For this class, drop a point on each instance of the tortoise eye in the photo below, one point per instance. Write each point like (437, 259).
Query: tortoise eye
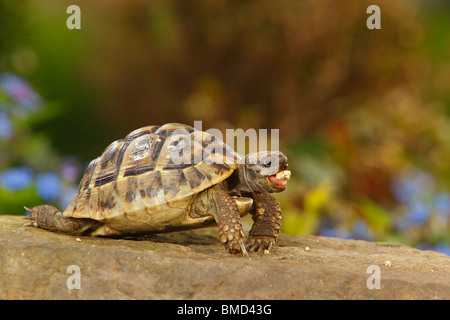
(266, 163)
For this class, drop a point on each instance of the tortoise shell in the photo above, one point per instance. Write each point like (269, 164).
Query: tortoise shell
(135, 186)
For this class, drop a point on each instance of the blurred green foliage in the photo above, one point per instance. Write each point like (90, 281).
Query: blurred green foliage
(363, 114)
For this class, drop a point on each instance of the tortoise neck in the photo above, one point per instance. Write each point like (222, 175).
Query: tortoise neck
(246, 181)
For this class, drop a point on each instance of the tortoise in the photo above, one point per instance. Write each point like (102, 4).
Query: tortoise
(174, 177)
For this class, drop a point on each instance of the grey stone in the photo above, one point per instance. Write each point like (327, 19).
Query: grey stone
(194, 265)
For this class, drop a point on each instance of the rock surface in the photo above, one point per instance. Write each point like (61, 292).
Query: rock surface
(194, 265)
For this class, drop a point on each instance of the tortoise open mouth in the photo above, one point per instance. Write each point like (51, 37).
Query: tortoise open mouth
(280, 179)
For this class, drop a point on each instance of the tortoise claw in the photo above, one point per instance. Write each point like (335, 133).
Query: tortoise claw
(236, 247)
(28, 209)
(261, 243)
(269, 247)
(31, 224)
(252, 244)
(31, 216)
(243, 250)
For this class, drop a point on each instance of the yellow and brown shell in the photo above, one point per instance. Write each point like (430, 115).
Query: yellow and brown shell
(135, 186)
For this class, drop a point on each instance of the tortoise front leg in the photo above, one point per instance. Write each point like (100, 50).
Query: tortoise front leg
(230, 226)
(266, 213)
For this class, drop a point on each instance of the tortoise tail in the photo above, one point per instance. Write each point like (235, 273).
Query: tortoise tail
(50, 218)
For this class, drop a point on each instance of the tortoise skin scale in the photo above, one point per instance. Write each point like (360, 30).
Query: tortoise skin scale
(135, 187)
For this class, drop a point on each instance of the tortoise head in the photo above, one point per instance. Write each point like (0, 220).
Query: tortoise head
(266, 171)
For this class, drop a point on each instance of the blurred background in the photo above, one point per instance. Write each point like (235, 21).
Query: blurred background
(363, 114)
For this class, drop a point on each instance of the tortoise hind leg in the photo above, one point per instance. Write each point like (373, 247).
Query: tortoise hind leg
(50, 218)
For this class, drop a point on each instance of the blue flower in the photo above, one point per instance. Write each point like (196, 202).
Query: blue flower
(443, 247)
(5, 126)
(48, 186)
(441, 203)
(70, 169)
(334, 233)
(418, 212)
(360, 230)
(410, 186)
(15, 179)
(19, 91)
